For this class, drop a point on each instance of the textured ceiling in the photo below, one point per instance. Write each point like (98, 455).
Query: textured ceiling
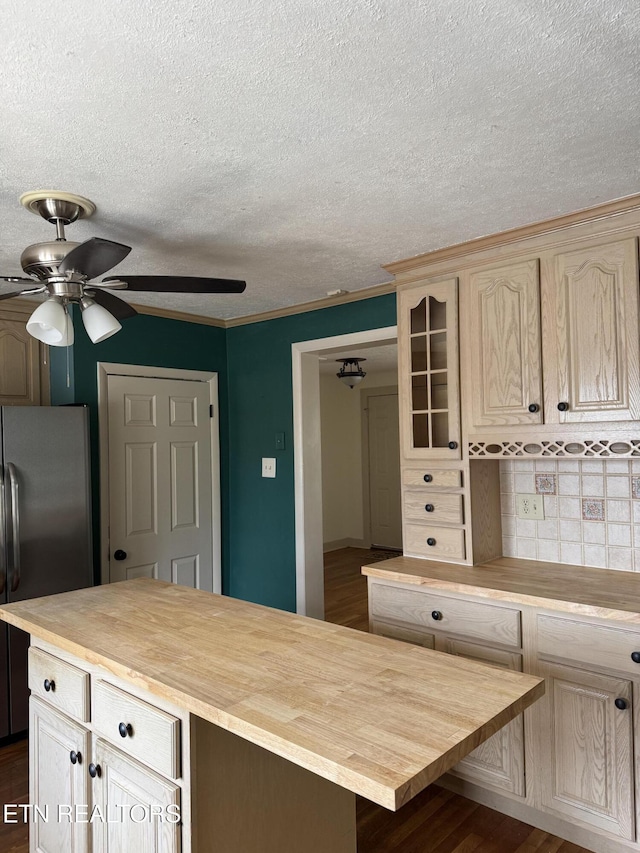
(300, 144)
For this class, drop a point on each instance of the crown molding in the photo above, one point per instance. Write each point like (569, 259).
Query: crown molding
(604, 211)
(315, 305)
(178, 315)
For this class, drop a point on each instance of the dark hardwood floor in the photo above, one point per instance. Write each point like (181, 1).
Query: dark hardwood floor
(436, 821)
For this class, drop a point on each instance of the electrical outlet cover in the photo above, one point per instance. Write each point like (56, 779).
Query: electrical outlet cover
(530, 506)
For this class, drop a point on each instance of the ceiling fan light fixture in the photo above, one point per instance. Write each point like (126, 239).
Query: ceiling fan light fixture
(51, 324)
(351, 374)
(99, 323)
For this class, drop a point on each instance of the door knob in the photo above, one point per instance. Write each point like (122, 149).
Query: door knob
(621, 704)
(75, 757)
(120, 554)
(533, 408)
(95, 770)
(563, 407)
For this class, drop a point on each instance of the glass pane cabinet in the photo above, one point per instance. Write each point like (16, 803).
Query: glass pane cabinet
(428, 365)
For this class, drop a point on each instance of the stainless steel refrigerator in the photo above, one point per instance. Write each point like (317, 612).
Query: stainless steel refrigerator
(45, 527)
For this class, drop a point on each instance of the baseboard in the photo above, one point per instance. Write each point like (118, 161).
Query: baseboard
(344, 543)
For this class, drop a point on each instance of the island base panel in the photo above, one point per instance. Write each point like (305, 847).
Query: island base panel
(248, 800)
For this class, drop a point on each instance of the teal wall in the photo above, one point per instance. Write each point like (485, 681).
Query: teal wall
(153, 341)
(256, 402)
(261, 511)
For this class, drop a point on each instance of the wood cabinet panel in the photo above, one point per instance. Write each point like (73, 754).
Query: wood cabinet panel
(499, 761)
(592, 355)
(127, 785)
(471, 619)
(588, 776)
(68, 685)
(431, 541)
(506, 344)
(432, 507)
(154, 735)
(54, 781)
(20, 365)
(402, 633)
(443, 478)
(428, 373)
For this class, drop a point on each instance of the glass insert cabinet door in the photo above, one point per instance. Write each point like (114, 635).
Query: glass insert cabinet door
(428, 366)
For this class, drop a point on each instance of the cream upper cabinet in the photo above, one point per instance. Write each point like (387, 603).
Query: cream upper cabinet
(505, 341)
(556, 348)
(591, 350)
(24, 374)
(428, 370)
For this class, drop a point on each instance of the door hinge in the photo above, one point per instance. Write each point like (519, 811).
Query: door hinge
(210, 410)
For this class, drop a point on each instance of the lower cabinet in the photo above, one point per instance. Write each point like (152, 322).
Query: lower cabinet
(141, 810)
(499, 761)
(58, 781)
(105, 765)
(589, 771)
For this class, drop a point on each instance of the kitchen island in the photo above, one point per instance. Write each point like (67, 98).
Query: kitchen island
(257, 726)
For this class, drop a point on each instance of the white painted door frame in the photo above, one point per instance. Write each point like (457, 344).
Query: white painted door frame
(106, 369)
(308, 461)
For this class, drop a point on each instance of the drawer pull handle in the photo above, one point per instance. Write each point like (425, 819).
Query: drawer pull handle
(621, 704)
(428, 478)
(563, 407)
(125, 729)
(435, 614)
(453, 445)
(95, 770)
(429, 507)
(49, 686)
(431, 541)
(533, 408)
(75, 757)
(635, 657)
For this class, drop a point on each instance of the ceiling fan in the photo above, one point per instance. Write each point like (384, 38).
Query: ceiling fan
(64, 271)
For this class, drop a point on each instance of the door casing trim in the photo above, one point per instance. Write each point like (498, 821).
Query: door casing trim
(106, 369)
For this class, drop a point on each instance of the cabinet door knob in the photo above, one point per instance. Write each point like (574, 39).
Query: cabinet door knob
(125, 729)
(621, 704)
(49, 686)
(431, 541)
(120, 554)
(95, 770)
(635, 657)
(533, 408)
(563, 407)
(75, 757)
(453, 445)
(428, 478)
(435, 614)
(428, 507)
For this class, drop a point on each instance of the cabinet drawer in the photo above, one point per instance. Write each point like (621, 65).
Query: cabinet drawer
(600, 646)
(447, 541)
(439, 477)
(68, 685)
(432, 507)
(150, 735)
(470, 619)
(399, 632)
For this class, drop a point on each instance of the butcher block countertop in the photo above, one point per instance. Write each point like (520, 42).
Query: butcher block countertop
(376, 716)
(602, 593)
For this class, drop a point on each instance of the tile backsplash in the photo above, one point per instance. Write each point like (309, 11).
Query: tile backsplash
(591, 511)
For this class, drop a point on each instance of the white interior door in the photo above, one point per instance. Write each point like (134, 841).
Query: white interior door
(384, 471)
(160, 481)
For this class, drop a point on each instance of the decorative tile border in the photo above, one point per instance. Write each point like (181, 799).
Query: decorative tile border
(546, 484)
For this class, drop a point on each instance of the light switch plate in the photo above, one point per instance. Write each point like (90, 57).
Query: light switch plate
(268, 467)
(530, 506)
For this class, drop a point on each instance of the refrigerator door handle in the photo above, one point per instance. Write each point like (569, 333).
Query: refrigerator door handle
(15, 527)
(3, 551)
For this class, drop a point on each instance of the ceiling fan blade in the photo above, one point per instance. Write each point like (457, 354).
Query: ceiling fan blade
(179, 284)
(15, 278)
(120, 309)
(22, 293)
(93, 257)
